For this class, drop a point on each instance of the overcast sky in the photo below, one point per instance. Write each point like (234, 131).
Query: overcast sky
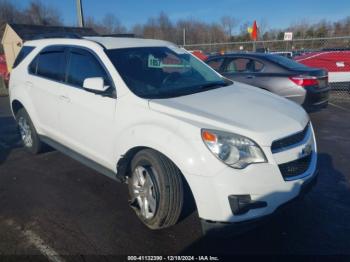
(278, 13)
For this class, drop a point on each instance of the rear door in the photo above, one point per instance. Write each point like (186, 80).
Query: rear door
(46, 83)
(88, 118)
(236, 68)
(247, 70)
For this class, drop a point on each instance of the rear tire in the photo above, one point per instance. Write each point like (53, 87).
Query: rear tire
(29, 136)
(156, 189)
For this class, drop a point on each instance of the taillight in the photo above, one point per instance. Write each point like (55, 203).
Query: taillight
(304, 80)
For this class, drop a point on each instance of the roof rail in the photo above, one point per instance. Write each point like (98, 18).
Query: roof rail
(118, 35)
(57, 35)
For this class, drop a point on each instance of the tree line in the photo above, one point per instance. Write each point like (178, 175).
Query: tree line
(226, 29)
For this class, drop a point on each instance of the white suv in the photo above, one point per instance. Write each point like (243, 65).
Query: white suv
(148, 113)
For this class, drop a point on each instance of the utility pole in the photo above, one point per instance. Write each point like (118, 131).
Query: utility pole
(80, 14)
(184, 36)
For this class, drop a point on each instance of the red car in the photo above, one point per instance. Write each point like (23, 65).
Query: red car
(337, 63)
(3, 67)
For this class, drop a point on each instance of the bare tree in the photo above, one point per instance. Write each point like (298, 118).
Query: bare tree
(8, 12)
(229, 23)
(38, 13)
(263, 26)
(162, 27)
(112, 24)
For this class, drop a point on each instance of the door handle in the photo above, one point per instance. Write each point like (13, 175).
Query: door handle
(28, 84)
(65, 99)
(250, 77)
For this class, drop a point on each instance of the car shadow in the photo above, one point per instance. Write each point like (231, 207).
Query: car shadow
(9, 137)
(309, 225)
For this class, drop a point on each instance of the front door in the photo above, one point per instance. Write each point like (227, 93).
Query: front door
(88, 118)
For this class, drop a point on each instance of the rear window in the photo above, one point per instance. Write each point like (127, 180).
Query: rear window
(286, 62)
(51, 65)
(25, 51)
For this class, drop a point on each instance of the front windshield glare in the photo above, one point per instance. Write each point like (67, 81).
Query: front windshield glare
(163, 72)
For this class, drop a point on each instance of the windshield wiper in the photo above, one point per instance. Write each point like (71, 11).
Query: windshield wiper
(212, 85)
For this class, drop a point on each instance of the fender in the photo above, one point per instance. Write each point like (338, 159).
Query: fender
(186, 153)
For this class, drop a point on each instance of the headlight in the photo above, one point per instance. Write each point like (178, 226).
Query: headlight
(234, 150)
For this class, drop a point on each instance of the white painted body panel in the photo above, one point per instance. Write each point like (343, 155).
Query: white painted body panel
(104, 129)
(336, 77)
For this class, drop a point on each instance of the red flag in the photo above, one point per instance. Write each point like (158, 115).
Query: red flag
(255, 32)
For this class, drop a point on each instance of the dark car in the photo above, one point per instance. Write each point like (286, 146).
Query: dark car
(280, 75)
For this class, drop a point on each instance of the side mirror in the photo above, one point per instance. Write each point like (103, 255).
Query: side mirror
(95, 84)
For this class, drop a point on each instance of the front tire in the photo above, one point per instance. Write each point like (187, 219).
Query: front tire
(156, 189)
(29, 136)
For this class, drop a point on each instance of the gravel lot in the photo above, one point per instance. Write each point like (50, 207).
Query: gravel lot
(50, 204)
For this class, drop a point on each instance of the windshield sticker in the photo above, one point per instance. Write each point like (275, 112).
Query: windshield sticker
(154, 62)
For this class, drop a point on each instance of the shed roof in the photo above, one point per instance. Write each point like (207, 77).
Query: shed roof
(30, 32)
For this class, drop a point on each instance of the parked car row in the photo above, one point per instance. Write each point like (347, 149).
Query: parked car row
(304, 85)
(149, 114)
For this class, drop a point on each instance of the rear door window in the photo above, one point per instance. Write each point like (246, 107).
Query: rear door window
(216, 63)
(236, 65)
(51, 65)
(82, 65)
(243, 65)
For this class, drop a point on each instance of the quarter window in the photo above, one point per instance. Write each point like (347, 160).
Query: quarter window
(25, 51)
(258, 67)
(84, 65)
(216, 63)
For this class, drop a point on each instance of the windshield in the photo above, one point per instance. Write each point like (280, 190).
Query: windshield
(163, 72)
(287, 62)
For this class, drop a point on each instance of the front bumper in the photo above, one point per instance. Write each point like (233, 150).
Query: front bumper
(264, 186)
(222, 228)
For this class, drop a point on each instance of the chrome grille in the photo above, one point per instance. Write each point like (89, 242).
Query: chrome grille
(281, 144)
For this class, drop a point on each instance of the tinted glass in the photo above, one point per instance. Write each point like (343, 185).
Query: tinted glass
(258, 66)
(286, 62)
(243, 65)
(162, 72)
(237, 65)
(33, 66)
(216, 63)
(52, 65)
(84, 65)
(25, 51)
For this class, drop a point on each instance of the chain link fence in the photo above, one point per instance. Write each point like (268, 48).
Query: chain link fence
(330, 53)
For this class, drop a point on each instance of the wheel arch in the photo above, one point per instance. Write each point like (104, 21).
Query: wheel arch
(16, 105)
(22, 102)
(124, 166)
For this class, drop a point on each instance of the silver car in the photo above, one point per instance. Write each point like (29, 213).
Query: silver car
(280, 75)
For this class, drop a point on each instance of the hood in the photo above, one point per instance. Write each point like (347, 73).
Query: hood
(239, 108)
